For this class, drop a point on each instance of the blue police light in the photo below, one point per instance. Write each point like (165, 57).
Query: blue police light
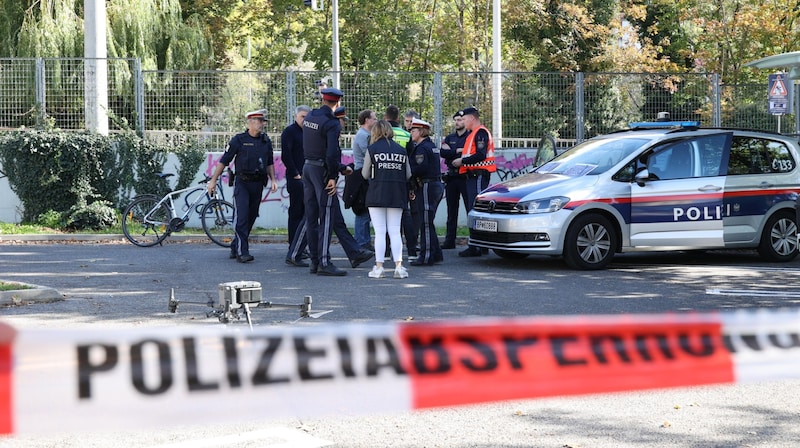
(664, 124)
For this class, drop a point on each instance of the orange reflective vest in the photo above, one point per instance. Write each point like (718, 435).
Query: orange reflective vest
(469, 149)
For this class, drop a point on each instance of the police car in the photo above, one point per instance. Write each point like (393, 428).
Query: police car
(653, 187)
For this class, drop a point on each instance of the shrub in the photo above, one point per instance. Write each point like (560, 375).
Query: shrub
(78, 178)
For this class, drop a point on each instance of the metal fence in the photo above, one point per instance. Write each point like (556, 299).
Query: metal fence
(210, 105)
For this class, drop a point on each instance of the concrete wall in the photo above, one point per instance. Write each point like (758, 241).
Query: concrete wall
(275, 205)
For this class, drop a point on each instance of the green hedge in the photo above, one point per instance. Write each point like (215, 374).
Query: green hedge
(85, 177)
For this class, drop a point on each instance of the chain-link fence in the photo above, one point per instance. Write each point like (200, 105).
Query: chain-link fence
(210, 105)
(35, 90)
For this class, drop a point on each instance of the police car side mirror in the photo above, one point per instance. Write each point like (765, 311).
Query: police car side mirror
(642, 177)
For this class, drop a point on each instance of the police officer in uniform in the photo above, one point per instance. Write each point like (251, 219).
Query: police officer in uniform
(426, 171)
(455, 184)
(323, 164)
(476, 163)
(253, 155)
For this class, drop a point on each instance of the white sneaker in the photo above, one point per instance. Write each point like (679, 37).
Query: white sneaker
(376, 272)
(400, 272)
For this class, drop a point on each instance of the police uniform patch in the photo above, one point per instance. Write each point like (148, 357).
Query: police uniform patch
(480, 144)
(420, 158)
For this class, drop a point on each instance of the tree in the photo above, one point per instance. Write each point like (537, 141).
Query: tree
(152, 30)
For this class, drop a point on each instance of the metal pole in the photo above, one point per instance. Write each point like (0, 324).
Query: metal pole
(95, 66)
(335, 24)
(497, 76)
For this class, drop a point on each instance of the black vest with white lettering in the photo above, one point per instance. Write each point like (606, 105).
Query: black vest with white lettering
(316, 126)
(388, 185)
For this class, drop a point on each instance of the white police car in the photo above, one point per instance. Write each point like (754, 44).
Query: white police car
(653, 187)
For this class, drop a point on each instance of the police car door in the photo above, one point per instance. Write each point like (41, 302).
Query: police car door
(676, 201)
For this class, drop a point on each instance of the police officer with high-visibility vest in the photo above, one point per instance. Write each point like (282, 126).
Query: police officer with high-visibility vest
(253, 155)
(476, 163)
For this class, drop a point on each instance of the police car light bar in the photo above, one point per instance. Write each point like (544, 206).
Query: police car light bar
(664, 124)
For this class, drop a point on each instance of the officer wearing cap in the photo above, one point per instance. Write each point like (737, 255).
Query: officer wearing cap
(322, 167)
(455, 184)
(476, 163)
(341, 114)
(426, 171)
(253, 155)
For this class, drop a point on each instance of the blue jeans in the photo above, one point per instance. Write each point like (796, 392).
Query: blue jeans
(361, 231)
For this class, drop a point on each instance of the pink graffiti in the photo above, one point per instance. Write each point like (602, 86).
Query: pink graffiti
(520, 162)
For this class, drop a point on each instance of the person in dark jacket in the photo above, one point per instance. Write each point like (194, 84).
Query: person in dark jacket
(426, 173)
(455, 184)
(387, 169)
(293, 160)
(253, 154)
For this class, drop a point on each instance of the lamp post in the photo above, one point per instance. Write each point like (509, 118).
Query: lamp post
(497, 75)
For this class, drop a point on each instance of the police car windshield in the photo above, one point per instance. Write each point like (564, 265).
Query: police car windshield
(592, 156)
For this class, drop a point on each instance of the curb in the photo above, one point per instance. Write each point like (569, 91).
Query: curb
(118, 238)
(34, 293)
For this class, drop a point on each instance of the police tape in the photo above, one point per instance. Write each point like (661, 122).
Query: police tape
(90, 379)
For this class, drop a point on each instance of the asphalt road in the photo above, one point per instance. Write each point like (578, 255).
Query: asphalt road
(119, 285)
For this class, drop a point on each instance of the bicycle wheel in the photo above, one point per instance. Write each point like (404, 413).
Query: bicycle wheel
(217, 217)
(145, 225)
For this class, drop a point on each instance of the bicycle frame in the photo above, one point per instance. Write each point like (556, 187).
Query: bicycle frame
(169, 200)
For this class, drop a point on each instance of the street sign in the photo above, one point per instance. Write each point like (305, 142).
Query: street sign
(780, 94)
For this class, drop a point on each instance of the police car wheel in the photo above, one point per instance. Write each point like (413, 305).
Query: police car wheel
(779, 239)
(590, 243)
(509, 255)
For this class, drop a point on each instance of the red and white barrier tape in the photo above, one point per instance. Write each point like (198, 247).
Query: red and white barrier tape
(126, 379)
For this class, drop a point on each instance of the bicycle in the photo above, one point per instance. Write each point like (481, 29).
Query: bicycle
(148, 220)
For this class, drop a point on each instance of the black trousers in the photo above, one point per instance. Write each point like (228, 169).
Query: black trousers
(454, 189)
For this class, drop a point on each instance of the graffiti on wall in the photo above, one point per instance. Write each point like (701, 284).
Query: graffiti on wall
(280, 197)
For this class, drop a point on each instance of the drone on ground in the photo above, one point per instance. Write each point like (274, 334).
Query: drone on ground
(243, 296)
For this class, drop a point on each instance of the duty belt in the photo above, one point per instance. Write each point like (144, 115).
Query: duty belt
(477, 173)
(315, 162)
(251, 177)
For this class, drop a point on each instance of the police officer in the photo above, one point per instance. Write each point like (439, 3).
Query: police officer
(426, 171)
(455, 184)
(476, 163)
(252, 152)
(323, 164)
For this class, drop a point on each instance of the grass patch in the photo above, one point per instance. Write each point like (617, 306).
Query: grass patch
(6, 286)
(24, 229)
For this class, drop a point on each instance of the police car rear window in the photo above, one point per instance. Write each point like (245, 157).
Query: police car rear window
(751, 155)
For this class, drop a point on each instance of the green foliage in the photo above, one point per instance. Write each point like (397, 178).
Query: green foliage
(79, 179)
(95, 216)
(51, 219)
(190, 157)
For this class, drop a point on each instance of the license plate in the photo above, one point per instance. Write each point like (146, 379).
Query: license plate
(486, 226)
